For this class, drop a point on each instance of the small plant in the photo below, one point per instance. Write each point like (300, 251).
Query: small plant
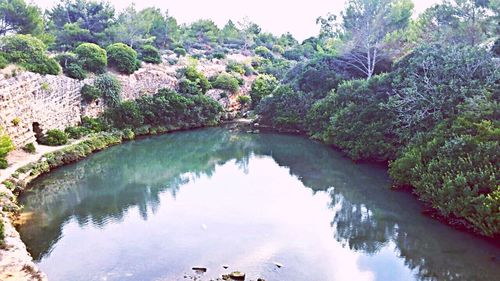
(227, 82)
(244, 100)
(128, 134)
(150, 54)
(45, 87)
(3, 163)
(122, 58)
(55, 137)
(76, 132)
(30, 148)
(16, 121)
(109, 87)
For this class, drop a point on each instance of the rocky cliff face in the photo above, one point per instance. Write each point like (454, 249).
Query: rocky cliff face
(32, 102)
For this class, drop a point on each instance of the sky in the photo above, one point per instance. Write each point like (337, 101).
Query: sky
(275, 16)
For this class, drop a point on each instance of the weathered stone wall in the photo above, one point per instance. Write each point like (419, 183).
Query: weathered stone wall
(51, 101)
(54, 102)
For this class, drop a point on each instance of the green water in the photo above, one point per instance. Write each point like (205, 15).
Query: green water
(154, 208)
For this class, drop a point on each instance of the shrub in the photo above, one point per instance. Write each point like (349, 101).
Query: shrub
(109, 87)
(128, 134)
(263, 86)
(28, 52)
(95, 125)
(234, 66)
(16, 121)
(92, 57)
(226, 81)
(5, 144)
(70, 65)
(278, 49)
(2, 231)
(150, 54)
(219, 55)
(55, 137)
(75, 71)
(244, 100)
(263, 52)
(77, 132)
(122, 58)
(354, 119)
(180, 51)
(90, 93)
(193, 81)
(3, 61)
(454, 168)
(3, 163)
(285, 108)
(30, 148)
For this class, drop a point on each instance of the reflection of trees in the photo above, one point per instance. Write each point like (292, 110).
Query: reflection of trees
(368, 215)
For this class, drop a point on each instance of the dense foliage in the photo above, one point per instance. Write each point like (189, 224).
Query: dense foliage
(92, 57)
(167, 109)
(109, 88)
(54, 138)
(455, 168)
(264, 85)
(5, 147)
(193, 81)
(149, 53)
(28, 52)
(227, 82)
(122, 58)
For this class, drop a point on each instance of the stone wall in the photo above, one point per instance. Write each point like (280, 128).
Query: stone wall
(48, 100)
(54, 102)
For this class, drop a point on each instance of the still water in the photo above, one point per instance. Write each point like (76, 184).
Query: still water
(154, 208)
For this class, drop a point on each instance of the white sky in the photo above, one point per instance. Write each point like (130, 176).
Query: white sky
(276, 16)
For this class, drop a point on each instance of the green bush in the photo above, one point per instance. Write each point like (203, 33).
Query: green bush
(234, 66)
(263, 86)
(5, 144)
(244, 100)
(285, 109)
(226, 81)
(92, 57)
(278, 49)
(193, 81)
(77, 132)
(219, 55)
(354, 118)
(150, 54)
(94, 125)
(2, 231)
(3, 61)
(263, 52)
(3, 163)
(28, 52)
(454, 168)
(109, 87)
(180, 52)
(30, 148)
(55, 137)
(128, 134)
(167, 109)
(122, 58)
(70, 65)
(90, 93)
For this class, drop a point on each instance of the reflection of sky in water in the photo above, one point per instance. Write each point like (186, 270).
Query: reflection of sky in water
(152, 209)
(246, 220)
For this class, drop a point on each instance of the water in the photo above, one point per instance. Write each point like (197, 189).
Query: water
(154, 208)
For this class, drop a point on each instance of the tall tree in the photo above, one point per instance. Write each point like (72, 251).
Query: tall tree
(18, 17)
(92, 17)
(364, 28)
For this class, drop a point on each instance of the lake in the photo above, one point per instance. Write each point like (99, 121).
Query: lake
(278, 207)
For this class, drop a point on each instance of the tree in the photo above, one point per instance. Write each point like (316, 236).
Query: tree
(459, 22)
(92, 17)
(132, 28)
(230, 34)
(19, 17)
(122, 58)
(364, 28)
(250, 32)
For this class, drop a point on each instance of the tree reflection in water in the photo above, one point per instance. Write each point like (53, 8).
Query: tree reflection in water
(367, 216)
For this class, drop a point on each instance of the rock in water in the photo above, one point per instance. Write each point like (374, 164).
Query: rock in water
(277, 264)
(200, 270)
(236, 275)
